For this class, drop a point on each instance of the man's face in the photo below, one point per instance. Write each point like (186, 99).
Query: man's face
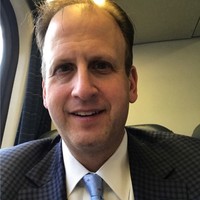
(86, 89)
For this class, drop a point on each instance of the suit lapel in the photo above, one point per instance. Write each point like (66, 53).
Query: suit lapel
(153, 178)
(47, 178)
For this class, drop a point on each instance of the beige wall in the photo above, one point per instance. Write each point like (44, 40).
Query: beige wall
(169, 85)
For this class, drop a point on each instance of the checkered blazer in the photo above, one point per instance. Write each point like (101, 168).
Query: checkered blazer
(164, 166)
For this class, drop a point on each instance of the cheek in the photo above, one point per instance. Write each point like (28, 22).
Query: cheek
(55, 97)
(56, 100)
(118, 95)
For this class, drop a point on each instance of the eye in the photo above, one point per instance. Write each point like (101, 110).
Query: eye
(102, 67)
(64, 69)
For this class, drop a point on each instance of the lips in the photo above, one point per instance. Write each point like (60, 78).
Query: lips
(86, 113)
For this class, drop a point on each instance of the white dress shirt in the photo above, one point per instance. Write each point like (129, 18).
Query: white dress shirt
(115, 172)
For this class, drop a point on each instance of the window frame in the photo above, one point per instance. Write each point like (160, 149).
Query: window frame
(9, 58)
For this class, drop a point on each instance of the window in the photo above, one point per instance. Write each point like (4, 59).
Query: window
(9, 50)
(1, 45)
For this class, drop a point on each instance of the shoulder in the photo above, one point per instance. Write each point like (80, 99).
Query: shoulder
(178, 150)
(165, 154)
(19, 159)
(163, 138)
(17, 162)
(24, 150)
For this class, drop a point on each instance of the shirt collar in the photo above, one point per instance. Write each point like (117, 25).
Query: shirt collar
(74, 170)
(116, 173)
(116, 164)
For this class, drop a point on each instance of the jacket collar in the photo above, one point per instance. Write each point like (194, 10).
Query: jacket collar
(153, 178)
(47, 178)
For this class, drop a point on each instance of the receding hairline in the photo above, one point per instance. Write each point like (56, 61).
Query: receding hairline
(118, 15)
(84, 10)
(87, 4)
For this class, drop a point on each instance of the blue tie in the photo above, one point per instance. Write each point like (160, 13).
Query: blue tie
(93, 183)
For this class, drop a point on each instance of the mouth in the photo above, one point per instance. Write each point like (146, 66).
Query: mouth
(86, 113)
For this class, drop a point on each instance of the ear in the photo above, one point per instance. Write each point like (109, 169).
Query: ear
(133, 78)
(44, 94)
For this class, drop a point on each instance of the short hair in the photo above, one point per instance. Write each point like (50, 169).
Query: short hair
(46, 11)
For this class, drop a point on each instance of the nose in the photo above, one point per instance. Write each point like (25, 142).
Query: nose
(84, 86)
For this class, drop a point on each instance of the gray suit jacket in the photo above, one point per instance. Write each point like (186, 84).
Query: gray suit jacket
(164, 166)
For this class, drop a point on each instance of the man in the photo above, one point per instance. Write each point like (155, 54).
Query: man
(88, 82)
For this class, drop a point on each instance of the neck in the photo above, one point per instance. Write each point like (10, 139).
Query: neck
(92, 158)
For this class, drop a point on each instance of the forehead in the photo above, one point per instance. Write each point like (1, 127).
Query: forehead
(77, 17)
(85, 25)
(84, 10)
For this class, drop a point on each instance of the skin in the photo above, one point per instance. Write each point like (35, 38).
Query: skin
(86, 89)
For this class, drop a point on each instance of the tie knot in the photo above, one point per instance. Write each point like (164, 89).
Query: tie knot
(94, 185)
